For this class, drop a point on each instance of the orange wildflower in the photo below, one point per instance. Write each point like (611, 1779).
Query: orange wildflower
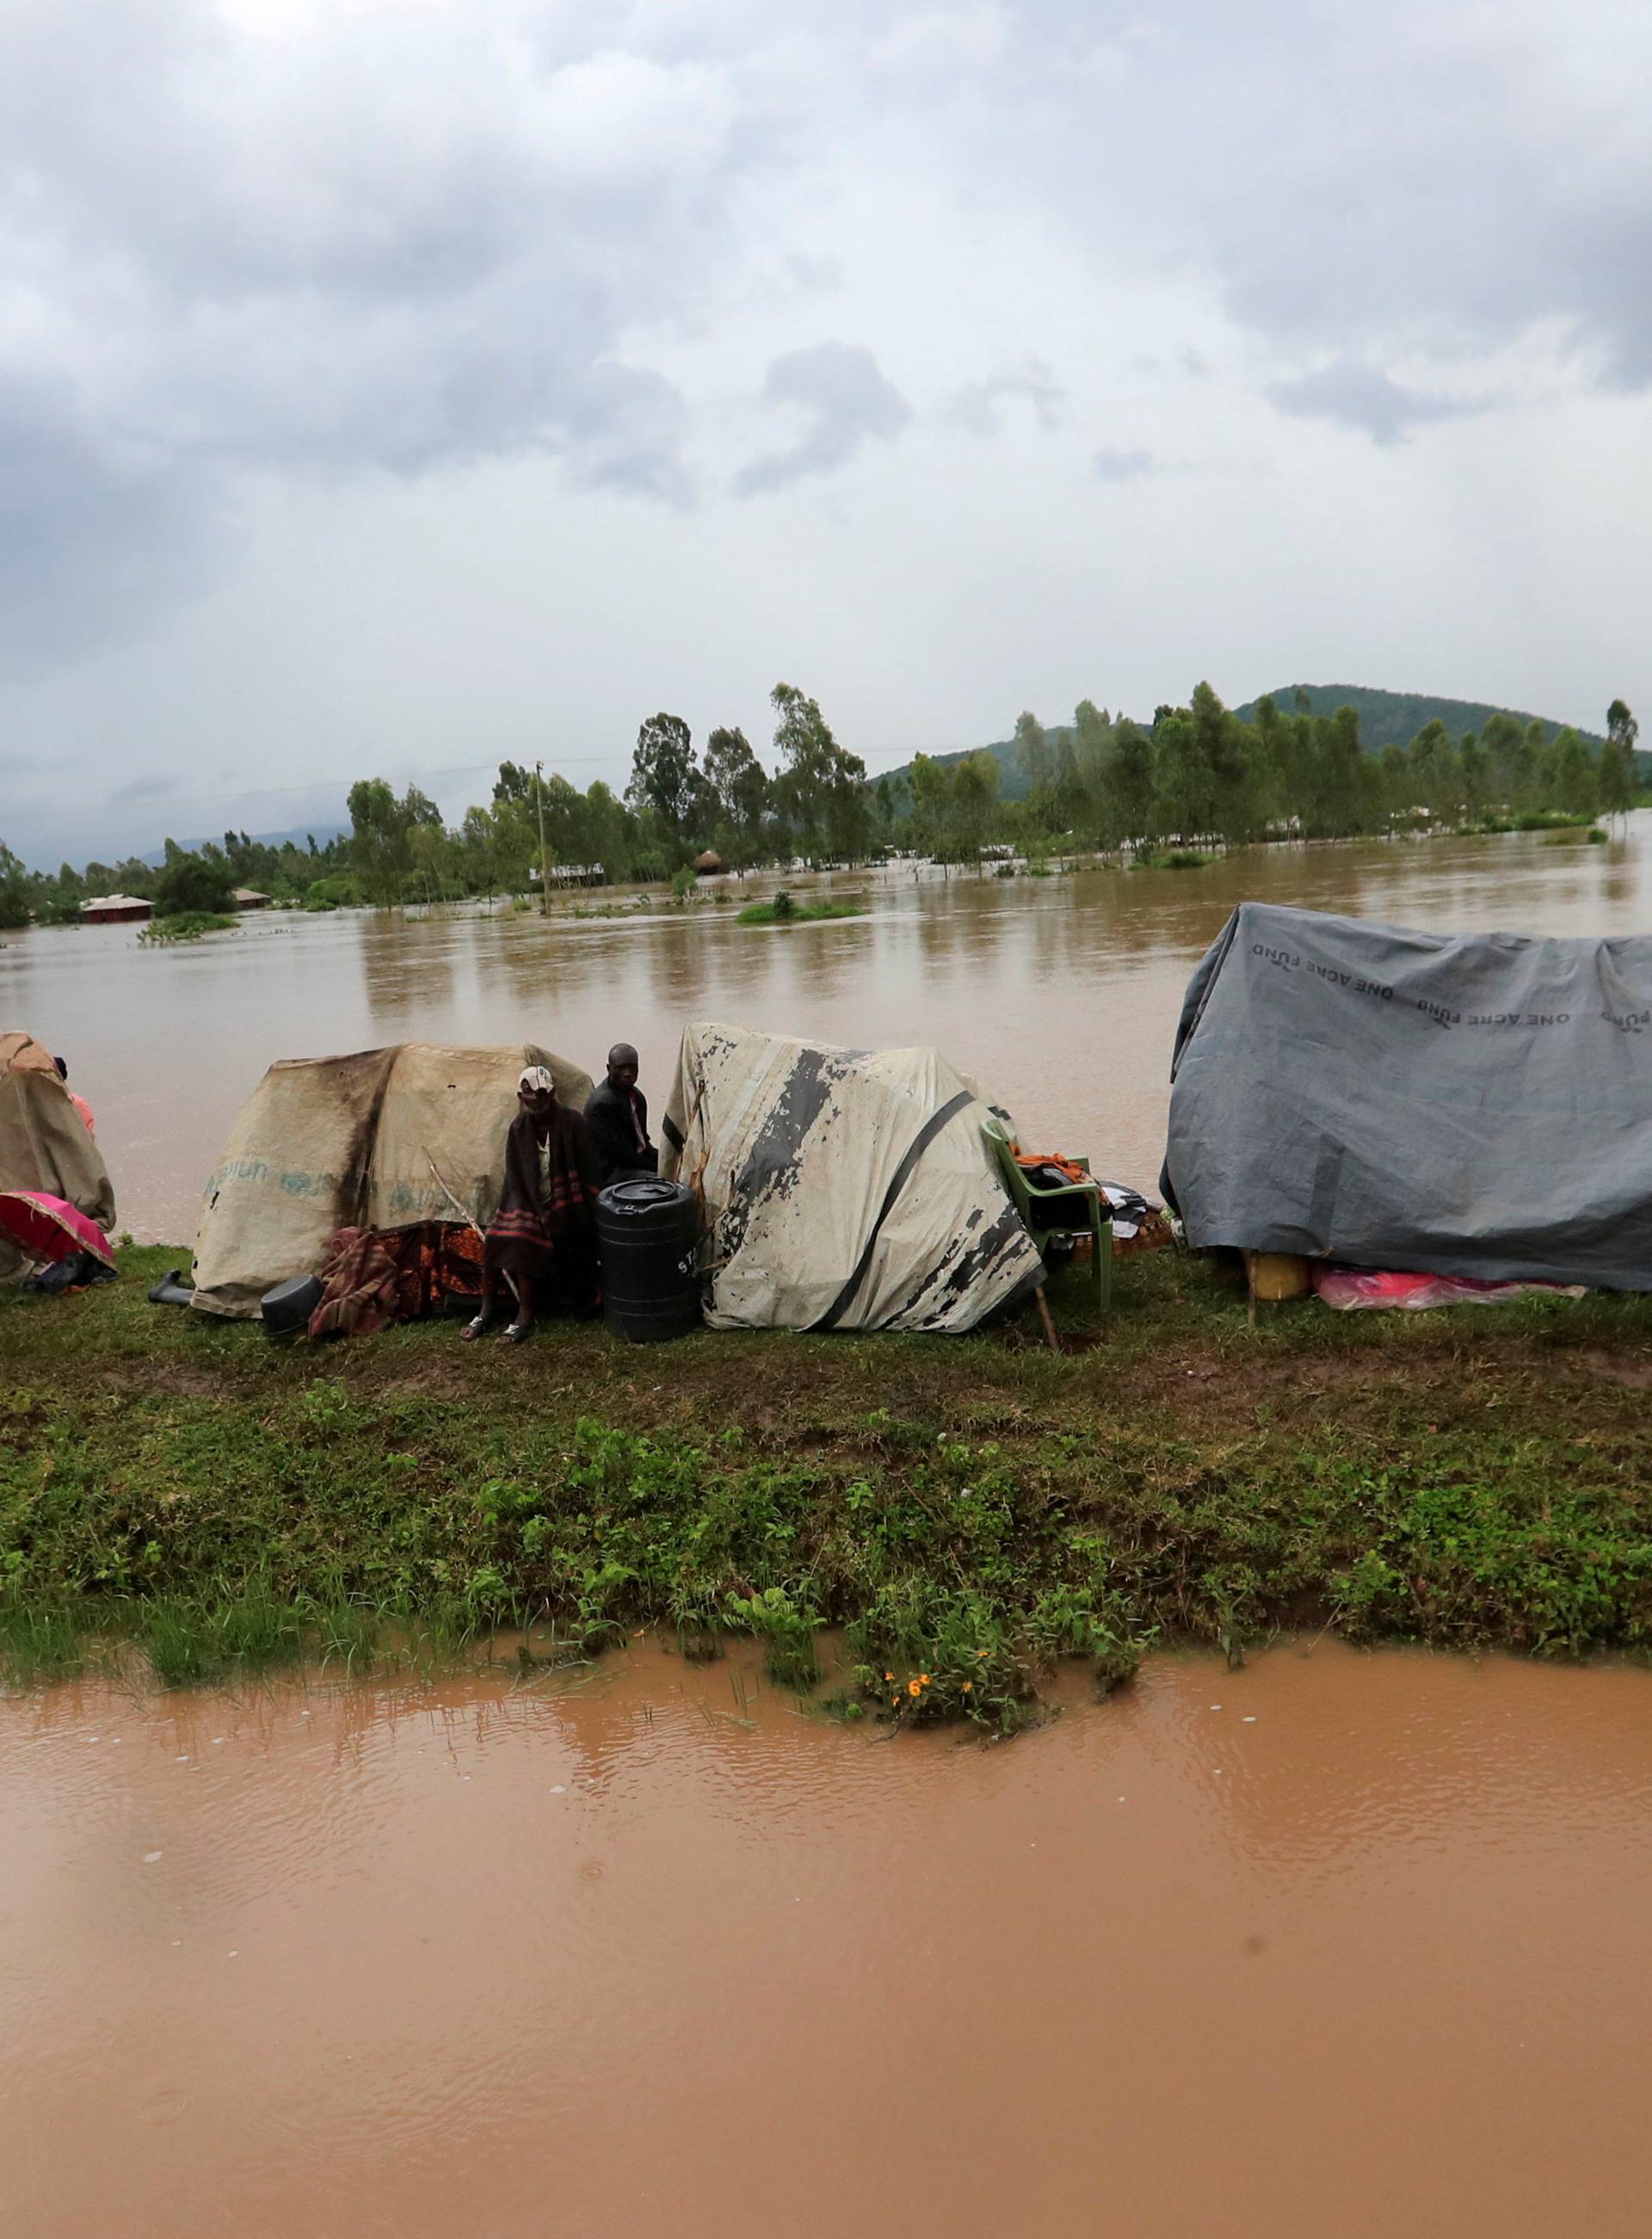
(969, 1686)
(912, 1687)
(923, 1678)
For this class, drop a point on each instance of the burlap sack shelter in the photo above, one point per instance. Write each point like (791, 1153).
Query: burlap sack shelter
(44, 1143)
(842, 1189)
(383, 1138)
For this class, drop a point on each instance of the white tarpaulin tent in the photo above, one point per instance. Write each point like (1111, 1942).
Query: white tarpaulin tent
(843, 1189)
(383, 1138)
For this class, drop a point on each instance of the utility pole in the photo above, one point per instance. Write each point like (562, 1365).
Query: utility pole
(544, 860)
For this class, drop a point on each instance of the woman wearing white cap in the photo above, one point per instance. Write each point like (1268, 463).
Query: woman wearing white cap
(543, 1236)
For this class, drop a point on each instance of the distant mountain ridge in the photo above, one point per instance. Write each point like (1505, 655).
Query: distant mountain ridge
(300, 835)
(1386, 719)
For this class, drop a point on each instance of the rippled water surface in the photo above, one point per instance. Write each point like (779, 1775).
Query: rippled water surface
(1338, 1944)
(1060, 994)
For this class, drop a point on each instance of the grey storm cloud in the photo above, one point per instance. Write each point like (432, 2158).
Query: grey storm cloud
(156, 786)
(1119, 466)
(845, 402)
(322, 255)
(978, 406)
(259, 244)
(1416, 176)
(1362, 396)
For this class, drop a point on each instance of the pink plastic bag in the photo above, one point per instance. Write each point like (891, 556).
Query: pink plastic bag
(1349, 1288)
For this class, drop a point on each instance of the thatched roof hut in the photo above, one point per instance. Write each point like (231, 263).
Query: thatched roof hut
(708, 864)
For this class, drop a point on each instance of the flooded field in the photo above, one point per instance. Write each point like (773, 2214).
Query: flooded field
(1060, 994)
(1357, 1944)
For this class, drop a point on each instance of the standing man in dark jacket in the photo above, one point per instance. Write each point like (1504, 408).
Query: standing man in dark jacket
(616, 1115)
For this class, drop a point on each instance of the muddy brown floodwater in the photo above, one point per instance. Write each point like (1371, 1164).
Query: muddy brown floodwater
(1351, 1944)
(1060, 994)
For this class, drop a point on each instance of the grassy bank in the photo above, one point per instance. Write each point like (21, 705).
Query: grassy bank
(971, 1510)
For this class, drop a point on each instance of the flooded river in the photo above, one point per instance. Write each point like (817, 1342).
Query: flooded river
(1350, 1945)
(1340, 1943)
(1060, 994)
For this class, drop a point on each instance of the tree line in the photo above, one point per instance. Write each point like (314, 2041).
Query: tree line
(1197, 775)
(814, 806)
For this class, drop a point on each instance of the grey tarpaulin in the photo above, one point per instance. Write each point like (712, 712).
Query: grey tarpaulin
(1461, 1104)
(842, 1189)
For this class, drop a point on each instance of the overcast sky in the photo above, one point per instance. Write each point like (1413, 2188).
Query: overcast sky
(395, 385)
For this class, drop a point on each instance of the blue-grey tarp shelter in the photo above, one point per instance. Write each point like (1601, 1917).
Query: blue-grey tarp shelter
(1460, 1104)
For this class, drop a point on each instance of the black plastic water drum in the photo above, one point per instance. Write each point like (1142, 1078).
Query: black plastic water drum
(647, 1232)
(288, 1308)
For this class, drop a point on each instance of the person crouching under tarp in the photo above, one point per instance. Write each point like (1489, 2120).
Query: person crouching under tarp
(543, 1240)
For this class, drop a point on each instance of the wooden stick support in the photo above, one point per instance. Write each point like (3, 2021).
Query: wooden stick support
(1051, 1338)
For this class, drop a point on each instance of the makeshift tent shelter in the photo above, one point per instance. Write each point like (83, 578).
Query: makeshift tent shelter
(1459, 1104)
(382, 1139)
(44, 1143)
(842, 1189)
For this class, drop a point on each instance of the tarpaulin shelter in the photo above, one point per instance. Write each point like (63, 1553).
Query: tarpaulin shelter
(48, 1228)
(842, 1189)
(384, 1139)
(1459, 1104)
(44, 1143)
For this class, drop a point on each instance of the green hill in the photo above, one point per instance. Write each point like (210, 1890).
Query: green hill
(1393, 719)
(1386, 719)
(1012, 781)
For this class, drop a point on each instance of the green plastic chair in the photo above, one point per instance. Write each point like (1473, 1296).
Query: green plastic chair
(1025, 1194)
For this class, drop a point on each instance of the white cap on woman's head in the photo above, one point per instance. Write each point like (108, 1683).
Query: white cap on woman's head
(536, 1076)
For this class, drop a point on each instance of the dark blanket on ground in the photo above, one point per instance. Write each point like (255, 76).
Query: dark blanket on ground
(544, 1231)
(619, 1130)
(373, 1277)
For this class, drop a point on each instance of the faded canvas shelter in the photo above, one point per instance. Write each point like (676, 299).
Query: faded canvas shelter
(44, 1143)
(842, 1189)
(377, 1140)
(1459, 1104)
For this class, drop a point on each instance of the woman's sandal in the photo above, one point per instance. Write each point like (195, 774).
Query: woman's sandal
(516, 1334)
(474, 1329)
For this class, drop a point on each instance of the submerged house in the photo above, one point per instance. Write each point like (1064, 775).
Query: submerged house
(116, 909)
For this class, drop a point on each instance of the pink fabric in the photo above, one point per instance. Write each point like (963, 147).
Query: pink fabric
(84, 1109)
(1350, 1288)
(50, 1228)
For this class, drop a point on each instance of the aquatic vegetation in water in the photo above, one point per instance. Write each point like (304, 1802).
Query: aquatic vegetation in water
(189, 925)
(785, 1629)
(784, 909)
